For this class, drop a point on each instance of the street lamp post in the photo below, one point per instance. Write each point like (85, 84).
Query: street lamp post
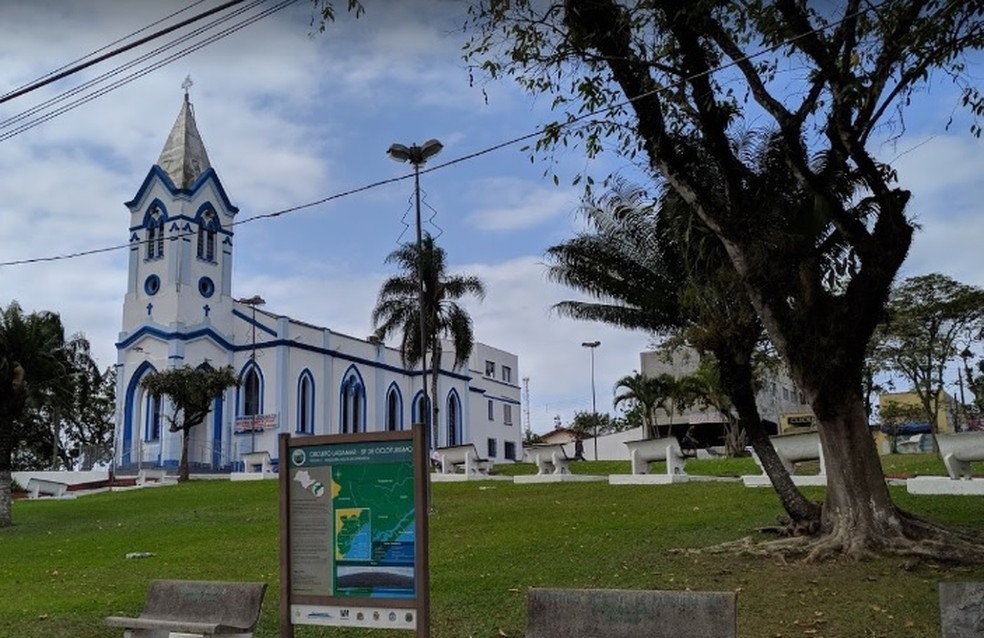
(591, 345)
(417, 156)
(253, 302)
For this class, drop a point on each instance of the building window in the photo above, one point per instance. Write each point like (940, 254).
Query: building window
(507, 374)
(305, 403)
(153, 428)
(155, 235)
(785, 394)
(353, 399)
(206, 236)
(393, 411)
(251, 392)
(454, 411)
(421, 410)
(492, 448)
(507, 414)
(509, 450)
(490, 369)
(491, 411)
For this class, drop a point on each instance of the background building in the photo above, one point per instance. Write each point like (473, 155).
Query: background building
(294, 377)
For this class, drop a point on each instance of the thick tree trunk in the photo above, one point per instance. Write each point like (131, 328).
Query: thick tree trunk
(858, 512)
(435, 410)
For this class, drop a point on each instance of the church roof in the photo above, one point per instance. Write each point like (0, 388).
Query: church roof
(184, 158)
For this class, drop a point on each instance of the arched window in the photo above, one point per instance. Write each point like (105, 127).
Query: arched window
(152, 430)
(155, 234)
(305, 403)
(206, 236)
(421, 409)
(454, 418)
(394, 409)
(251, 392)
(353, 403)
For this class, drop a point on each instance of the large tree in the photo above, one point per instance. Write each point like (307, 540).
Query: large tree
(33, 366)
(672, 81)
(191, 391)
(398, 311)
(929, 319)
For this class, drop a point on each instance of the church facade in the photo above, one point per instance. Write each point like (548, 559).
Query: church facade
(294, 377)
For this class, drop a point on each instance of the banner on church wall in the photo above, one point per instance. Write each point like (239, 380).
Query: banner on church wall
(256, 422)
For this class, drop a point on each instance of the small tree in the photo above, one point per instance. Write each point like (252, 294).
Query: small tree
(192, 391)
(926, 317)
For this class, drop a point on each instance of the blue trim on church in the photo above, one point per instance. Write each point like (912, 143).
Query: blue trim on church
(157, 171)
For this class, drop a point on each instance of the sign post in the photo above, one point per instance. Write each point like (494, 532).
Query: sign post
(353, 531)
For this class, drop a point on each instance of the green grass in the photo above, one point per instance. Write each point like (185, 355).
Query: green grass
(63, 566)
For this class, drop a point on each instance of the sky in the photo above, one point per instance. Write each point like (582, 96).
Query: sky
(291, 116)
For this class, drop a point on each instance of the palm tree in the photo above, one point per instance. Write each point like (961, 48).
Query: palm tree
(654, 266)
(33, 360)
(398, 309)
(649, 393)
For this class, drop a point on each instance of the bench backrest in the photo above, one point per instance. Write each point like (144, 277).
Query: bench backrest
(229, 603)
(964, 446)
(645, 451)
(608, 613)
(458, 453)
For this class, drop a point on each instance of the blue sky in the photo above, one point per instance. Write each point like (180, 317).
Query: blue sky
(290, 117)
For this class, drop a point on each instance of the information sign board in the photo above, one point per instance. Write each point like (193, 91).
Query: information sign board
(354, 531)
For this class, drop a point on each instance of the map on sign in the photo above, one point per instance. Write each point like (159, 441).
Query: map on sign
(353, 520)
(374, 529)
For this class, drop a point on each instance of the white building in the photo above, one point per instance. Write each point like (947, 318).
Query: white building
(294, 377)
(781, 404)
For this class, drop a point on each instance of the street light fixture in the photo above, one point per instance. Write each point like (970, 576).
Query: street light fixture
(417, 156)
(253, 302)
(591, 345)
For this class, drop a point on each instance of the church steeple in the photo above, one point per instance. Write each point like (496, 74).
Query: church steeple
(184, 158)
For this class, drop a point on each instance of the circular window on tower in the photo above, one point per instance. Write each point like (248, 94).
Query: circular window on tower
(152, 285)
(206, 287)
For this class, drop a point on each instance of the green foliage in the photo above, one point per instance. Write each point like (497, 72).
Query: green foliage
(928, 319)
(34, 371)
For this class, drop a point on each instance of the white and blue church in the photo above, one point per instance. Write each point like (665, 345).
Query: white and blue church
(294, 377)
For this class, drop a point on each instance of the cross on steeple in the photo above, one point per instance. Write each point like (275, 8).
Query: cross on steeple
(186, 85)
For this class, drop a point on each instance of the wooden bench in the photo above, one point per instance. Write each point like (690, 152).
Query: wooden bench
(259, 462)
(463, 457)
(549, 458)
(958, 450)
(199, 608)
(646, 451)
(36, 487)
(796, 448)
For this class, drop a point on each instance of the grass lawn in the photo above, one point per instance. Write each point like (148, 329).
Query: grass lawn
(63, 565)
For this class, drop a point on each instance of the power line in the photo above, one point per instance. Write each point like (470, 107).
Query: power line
(103, 48)
(136, 74)
(484, 151)
(54, 77)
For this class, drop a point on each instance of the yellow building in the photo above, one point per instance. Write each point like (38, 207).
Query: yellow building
(905, 410)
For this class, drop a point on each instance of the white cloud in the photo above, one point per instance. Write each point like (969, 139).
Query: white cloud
(509, 204)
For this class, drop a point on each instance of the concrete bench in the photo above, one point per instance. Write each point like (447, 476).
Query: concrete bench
(647, 451)
(155, 474)
(796, 448)
(199, 608)
(257, 462)
(463, 457)
(37, 487)
(550, 458)
(613, 613)
(958, 450)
